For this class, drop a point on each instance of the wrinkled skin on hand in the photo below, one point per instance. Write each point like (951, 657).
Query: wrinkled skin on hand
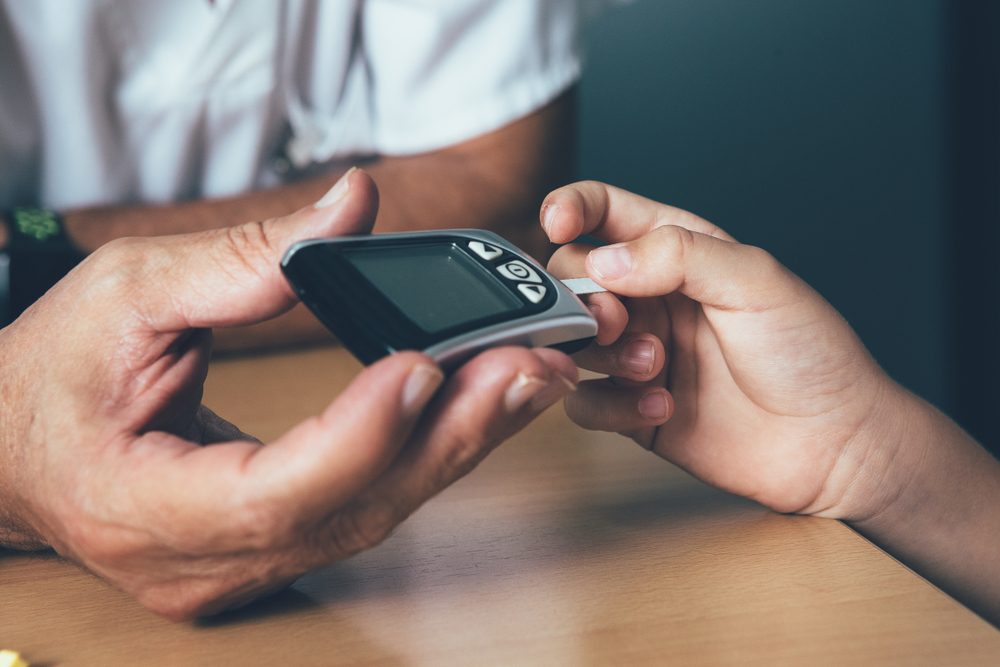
(108, 456)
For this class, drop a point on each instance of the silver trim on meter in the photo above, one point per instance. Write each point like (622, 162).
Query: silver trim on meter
(566, 321)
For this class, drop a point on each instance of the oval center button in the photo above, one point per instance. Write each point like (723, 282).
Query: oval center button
(518, 270)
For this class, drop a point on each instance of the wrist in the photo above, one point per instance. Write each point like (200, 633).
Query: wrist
(15, 529)
(876, 464)
(937, 513)
(896, 458)
(932, 464)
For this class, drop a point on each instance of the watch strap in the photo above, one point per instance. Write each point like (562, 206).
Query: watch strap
(38, 253)
(5, 309)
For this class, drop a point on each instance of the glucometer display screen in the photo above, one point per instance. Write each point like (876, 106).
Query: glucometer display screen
(435, 286)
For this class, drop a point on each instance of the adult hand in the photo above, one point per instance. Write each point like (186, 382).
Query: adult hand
(722, 361)
(107, 455)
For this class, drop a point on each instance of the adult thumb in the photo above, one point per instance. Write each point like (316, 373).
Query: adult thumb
(232, 276)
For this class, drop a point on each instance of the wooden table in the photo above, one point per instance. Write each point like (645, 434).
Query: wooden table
(565, 547)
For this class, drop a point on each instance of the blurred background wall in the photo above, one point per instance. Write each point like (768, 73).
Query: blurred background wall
(824, 131)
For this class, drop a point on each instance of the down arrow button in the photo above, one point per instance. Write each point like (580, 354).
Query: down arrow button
(535, 293)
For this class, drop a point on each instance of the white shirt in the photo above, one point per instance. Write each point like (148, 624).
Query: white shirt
(115, 101)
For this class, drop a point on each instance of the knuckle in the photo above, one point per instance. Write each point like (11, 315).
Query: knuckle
(584, 412)
(361, 528)
(250, 246)
(173, 605)
(679, 240)
(769, 276)
(569, 260)
(119, 250)
(592, 408)
(118, 263)
(97, 546)
(183, 592)
(119, 275)
(465, 451)
(560, 262)
(671, 246)
(256, 525)
(187, 598)
(765, 261)
(96, 542)
(183, 599)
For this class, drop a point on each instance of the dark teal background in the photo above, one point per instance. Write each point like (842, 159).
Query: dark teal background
(817, 129)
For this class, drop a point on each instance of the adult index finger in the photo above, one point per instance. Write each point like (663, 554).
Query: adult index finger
(486, 401)
(242, 495)
(325, 461)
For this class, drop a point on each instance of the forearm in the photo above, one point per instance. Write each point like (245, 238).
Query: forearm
(501, 192)
(944, 520)
(494, 181)
(417, 193)
(92, 227)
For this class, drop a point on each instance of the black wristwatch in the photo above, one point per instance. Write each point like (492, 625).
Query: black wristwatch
(37, 255)
(5, 315)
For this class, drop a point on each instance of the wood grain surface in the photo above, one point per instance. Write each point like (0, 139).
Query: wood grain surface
(565, 547)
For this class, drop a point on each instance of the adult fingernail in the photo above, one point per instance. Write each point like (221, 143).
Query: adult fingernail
(653, 406)
(556, 389)
(611, 262)
(424, 380)
(521, 390)
(638, 357)
(337, 192)
(548, 217)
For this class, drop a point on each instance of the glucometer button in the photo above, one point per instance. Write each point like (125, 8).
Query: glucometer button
(518, 270)
(535, 293)
(484, 250)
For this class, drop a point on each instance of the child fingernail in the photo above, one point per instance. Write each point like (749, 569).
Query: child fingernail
(653, 406)
(548, 217)
(611, 262)
(638, 357)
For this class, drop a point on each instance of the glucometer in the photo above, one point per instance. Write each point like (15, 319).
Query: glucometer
(449, 293)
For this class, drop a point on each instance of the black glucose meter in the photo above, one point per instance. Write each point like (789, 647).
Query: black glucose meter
(449, 293)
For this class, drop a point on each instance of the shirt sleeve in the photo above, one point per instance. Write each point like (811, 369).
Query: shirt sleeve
(444, 71)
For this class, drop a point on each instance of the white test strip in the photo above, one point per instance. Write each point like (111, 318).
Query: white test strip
(582, 286)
